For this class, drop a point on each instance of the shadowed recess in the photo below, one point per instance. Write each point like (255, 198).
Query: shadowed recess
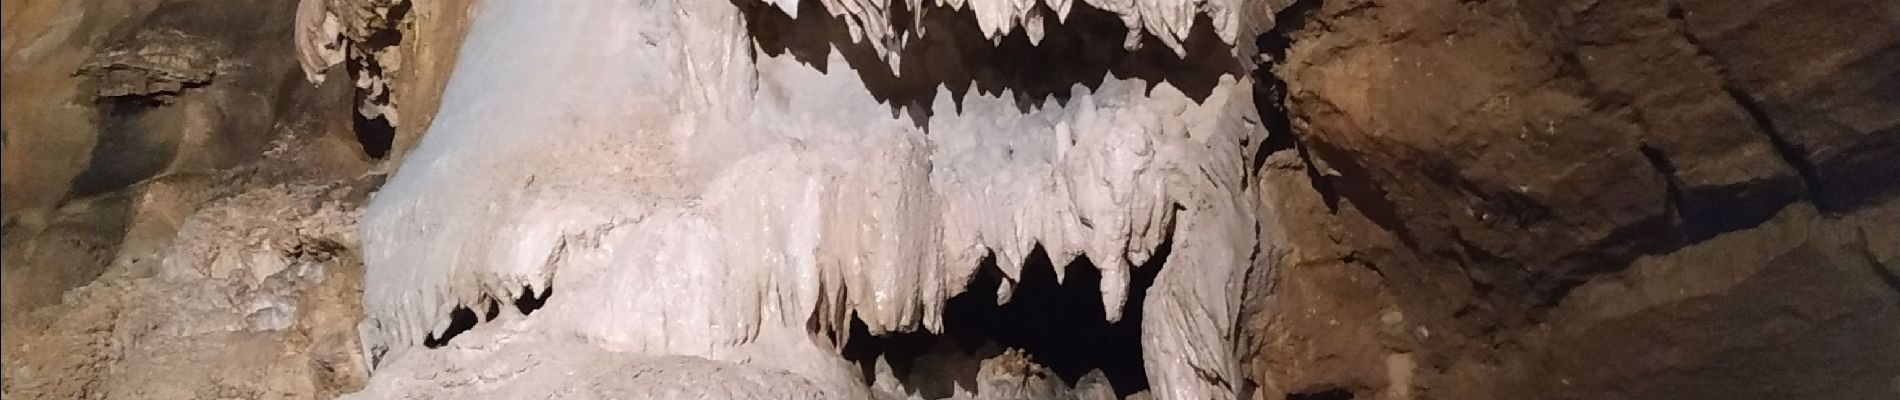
(1060, 326)
(954, 55)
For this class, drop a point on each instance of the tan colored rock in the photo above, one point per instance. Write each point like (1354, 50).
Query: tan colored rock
(434, 30)
(51, 126)
(254, 297)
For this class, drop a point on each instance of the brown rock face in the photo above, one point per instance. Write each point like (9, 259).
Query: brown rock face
(167, 92)
(1795, 308)
(138, 135)
(1476, 199)
(1585, 199)
(434, 33)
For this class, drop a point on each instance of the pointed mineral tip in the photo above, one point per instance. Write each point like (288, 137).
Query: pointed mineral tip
(534, 288)
(1114, 288)
(790, 7)
(1010, 263)
(857, 34)
(441, 328)
(1033, 27)
(934, 322)
(1005, 290)
(1061, 8)
(1226, 24)
(1174, 43)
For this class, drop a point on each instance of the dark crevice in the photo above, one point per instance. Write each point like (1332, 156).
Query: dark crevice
(376, 134)
(1060, 326)
(1355, 183)
(1789, 152)
(1886, 274)
(388, 35)
(528, 302)
(128, 149)
(464, 318)
(1275, 102)
(1695, 212)
(1327, 394)
(1321, 183)
(1706, 212)
(1270, 95)
(1613, 253)
(460, 320)
(147, 66)
(492, 309)
(1667, 169)
(954, 55)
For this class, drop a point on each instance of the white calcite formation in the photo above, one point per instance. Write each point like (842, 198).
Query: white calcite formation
(1166, 20)
(319, 39)
(684, 196)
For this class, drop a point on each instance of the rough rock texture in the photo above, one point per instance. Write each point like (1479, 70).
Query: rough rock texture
(180, 213)
(253, 299)
(49, 128)
(507, 362)
(1622, 199)
(396, 52)
(432, 32)
(181, 88)
(1606, 199)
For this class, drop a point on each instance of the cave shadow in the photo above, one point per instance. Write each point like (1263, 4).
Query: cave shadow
(128, 149)
(954, 55)
(1061, 326)
(463, 318)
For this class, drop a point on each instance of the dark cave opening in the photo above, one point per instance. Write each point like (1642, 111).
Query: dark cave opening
(1060, 326)
(127, 150)
(1328, 394)
(464, 318)
(954, 55)
(376, 134)
(529, 302)
(460, 320)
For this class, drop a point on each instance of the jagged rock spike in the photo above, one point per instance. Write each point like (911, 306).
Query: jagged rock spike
(1114, 288)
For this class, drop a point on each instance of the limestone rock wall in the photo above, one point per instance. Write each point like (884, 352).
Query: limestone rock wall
(1624, 199)
(783, 199)
(180, 206)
